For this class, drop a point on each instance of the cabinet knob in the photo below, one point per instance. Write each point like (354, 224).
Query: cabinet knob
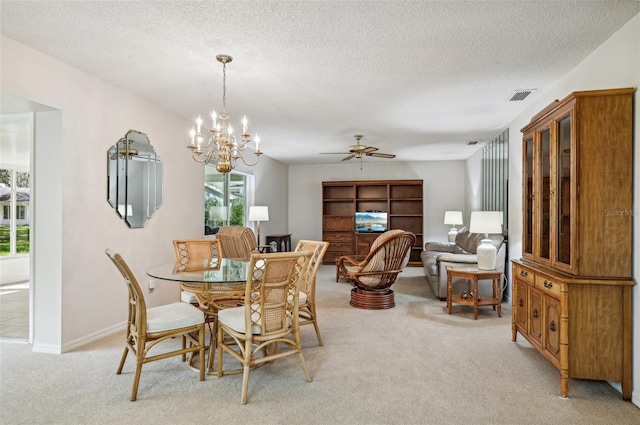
(523, 273)
(535, 314)
(520, 303)
(552, 326)
(548, 285)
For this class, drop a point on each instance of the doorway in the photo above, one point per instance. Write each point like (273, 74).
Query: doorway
(16, 139)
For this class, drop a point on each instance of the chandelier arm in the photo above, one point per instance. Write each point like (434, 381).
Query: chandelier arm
(257, 154)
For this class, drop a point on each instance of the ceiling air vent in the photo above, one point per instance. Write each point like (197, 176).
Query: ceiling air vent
(519, 95)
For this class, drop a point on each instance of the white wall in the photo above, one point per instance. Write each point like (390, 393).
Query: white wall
(444, 189)
(78, 294)
(615, 64)
(271, 190)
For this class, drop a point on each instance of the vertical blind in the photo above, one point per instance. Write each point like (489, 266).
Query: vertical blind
(495, 176)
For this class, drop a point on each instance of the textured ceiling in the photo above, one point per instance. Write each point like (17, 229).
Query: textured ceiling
(418, 78)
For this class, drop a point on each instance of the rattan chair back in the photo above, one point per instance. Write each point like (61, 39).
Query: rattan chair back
(307, 307)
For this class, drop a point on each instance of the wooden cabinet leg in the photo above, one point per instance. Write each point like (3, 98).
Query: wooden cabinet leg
(449, 294)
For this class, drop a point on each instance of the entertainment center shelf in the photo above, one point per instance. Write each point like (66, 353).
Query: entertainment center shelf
(400, 199)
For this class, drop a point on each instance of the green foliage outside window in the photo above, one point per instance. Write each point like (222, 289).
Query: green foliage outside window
(22, 240)
(237, 215)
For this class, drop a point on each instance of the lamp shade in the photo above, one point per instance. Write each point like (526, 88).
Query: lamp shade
(258, 213)
(485, 222)
(453, 217)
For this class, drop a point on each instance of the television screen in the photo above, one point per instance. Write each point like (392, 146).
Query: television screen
(371, 222)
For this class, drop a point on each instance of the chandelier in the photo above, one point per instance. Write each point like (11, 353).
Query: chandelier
(222, 146)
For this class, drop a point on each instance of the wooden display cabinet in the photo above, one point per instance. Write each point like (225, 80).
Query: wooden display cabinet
(401, 199)
(572, 288)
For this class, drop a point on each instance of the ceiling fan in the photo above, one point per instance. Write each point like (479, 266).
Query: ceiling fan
(358, 151)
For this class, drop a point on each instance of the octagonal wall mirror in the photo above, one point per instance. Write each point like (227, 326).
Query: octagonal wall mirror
(134, 176)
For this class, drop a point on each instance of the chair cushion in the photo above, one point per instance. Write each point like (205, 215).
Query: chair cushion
(188, 297)
(234, 318)
(173, 316)
(302, 297)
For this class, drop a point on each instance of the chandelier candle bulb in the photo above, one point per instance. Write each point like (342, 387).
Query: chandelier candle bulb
(214, 117)
(192, 133)
(244, 125)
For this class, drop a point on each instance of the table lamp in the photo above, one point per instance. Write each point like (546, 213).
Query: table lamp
(258, 213)
(453, 218)
(486, 222)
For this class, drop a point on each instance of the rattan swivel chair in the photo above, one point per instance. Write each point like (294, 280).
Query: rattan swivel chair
(372, 277)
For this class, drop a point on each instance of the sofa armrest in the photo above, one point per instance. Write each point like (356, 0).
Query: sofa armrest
(440, 246)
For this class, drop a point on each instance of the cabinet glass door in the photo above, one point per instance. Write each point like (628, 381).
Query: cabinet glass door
(563, 235)
(527, 237)
(543, 194)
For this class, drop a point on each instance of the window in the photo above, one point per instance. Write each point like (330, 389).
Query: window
(225, 198)
(14, 228)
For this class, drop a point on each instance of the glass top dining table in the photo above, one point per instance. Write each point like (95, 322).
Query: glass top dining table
(223, 271)
(217, 284)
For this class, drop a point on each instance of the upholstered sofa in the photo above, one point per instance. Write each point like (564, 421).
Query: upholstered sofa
(436, 256)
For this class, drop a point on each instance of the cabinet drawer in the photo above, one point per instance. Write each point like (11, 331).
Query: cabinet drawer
(524, 274)
(548, 285)
(338, 237)
(339, 223)
(346, 248)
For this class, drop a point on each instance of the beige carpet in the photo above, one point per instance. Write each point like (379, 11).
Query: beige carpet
(413, 364)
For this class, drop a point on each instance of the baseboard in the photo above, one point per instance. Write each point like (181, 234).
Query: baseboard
(46, 348)
(72, 345)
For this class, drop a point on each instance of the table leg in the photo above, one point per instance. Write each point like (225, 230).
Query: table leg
(499, 298)
(475, 298)
(449, 294)
(493, 290)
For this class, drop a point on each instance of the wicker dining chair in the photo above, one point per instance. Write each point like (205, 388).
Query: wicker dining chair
(307, 307)
(266, 327)
(147, 327)
(195, 254)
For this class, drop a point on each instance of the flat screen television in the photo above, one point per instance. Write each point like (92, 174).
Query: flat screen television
(371, 222)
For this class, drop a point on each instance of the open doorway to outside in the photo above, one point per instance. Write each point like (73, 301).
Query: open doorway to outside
(16, 134)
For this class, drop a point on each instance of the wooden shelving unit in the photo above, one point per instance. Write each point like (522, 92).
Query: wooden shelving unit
(401, 199)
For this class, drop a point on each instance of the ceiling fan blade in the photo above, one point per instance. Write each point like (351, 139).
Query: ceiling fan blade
(349, 157)
(381, 155)
(369, 149)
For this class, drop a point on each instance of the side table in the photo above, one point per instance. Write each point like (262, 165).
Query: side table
(282, 241)
(472, 296)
